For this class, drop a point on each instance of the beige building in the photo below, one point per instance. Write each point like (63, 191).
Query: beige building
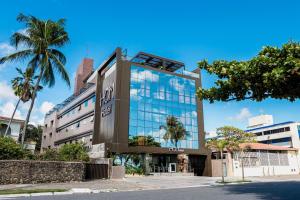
(72, 120)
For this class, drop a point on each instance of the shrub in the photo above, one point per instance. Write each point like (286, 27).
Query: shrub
(49, 154)
(10, 149)
(134, 170)
(73, 152)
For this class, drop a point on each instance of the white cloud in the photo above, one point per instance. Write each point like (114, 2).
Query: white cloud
(7, 109)
(6, 48)
(36, 119)
(23, 31)
(144, 75)
(175, 84)
(243, 115)
(211, 134)
(6, 92)
(45, 107)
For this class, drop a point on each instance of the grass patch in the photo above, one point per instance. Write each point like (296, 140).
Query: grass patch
(29, 191)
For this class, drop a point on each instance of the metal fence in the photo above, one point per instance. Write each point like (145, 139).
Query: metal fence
(96, 171)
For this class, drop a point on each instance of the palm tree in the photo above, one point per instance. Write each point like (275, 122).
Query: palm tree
(175, 130)
(23, 86)
(40, 41)
(219, 145)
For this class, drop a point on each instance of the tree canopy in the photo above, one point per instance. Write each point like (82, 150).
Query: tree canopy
(143, 141)
(229, 138)
(273, 73)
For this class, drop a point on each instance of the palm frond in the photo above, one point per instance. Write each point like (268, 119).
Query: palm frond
(59, 55)
(34, 63)
(19, 38)
(18, 56)
(59, 66)
(48, 77)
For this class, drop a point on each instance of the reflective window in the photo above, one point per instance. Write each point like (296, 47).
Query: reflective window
(155, 97)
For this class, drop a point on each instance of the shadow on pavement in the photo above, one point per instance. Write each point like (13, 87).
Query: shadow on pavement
(288, 190)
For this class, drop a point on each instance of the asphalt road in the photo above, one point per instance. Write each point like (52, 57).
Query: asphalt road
(263, 191)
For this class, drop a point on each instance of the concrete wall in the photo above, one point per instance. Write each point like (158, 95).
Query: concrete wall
(233, 167)
(27, 171)
(271, 170)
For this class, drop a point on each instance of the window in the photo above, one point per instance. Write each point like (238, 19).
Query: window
(44, 137)
(52, 123)
(46, 125)
(86, 103)
(78, 125)
(153, 97)
(50, 134)
(258, 133)
(79, 107)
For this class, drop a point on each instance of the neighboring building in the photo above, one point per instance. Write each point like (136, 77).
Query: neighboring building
(281, 134)
(134, 97)
(260, 120)
(14, 129)
(258, 160)
(72, 120)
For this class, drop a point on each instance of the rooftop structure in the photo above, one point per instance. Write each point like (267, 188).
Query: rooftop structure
(157, 62)
(260, 120)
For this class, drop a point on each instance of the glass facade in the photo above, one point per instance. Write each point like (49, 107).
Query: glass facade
(154, 96)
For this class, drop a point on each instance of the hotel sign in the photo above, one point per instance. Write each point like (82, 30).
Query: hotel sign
(176, 149)
(105, 102)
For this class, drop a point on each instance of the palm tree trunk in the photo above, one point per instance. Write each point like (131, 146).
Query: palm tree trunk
(12, 117)
(31, 106)
(222, 166)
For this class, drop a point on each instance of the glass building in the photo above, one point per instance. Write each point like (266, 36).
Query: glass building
(155, 96)
(147, 105)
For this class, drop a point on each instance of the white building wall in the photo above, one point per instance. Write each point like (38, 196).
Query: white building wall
(293, 133)
(261, 120)
(271, 170)
(15, 128)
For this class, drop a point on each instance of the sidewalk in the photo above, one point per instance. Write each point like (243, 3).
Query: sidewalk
(142, 183)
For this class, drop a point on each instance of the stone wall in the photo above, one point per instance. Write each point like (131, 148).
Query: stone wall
(28, 171)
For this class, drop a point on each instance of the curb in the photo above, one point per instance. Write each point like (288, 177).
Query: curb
(70, 192)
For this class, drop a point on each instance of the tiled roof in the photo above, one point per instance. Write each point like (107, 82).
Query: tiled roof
(261, 146)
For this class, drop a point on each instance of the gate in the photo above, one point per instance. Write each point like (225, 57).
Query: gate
(197, 164)
(96, 171)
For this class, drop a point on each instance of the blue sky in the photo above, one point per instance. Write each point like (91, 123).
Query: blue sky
(187, 31)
